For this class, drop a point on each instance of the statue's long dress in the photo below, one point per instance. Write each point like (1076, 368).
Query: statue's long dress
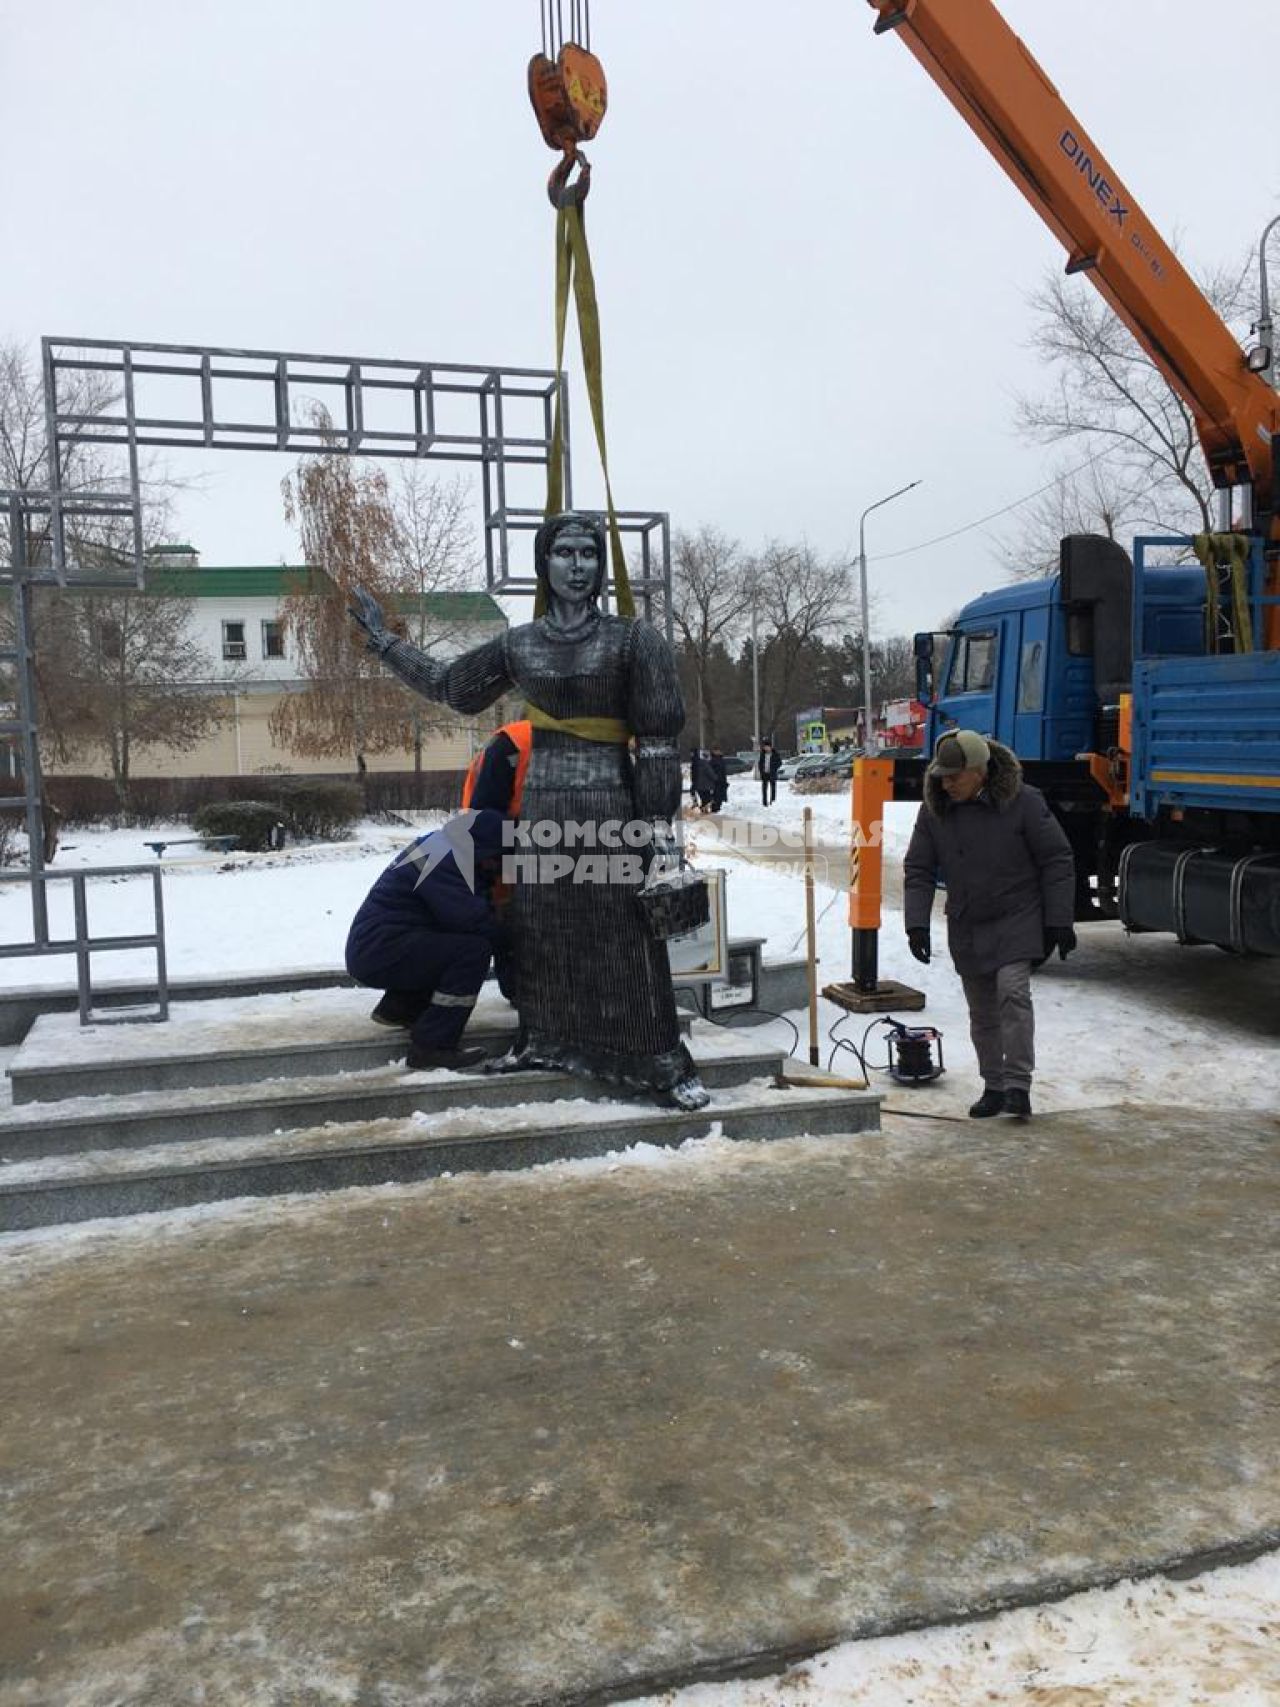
(595, 990)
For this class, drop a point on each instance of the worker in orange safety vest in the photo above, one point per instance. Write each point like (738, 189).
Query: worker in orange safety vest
(495, 777)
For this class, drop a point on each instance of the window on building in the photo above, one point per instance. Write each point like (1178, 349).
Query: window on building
(272, 639)
(233, 646)
(974, 669)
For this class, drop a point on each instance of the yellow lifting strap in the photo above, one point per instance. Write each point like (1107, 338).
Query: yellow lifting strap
(1225, 558)
(573, 266)
(609, 730)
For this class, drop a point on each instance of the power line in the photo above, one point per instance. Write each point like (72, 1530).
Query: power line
(924, 545)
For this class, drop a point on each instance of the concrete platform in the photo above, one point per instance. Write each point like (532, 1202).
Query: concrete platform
(226, 1111)
(568, 1436)
(300, 1091)
(236, 1039)
(446, 1134)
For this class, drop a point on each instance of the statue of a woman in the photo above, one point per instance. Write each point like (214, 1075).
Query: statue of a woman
(595, 992)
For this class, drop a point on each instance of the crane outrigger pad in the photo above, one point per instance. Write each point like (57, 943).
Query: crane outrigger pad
(886, 996)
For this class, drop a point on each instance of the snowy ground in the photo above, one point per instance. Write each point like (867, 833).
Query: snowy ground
(1149, 1644)
(1138, 1021)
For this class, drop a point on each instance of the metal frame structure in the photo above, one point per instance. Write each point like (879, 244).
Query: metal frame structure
(375, 408)
(379, 408)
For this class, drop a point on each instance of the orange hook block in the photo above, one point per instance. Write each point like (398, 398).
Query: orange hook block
(569, 96)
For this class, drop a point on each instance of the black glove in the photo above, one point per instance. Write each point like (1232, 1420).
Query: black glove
(918, 943)
(367, 613)
(1061, 937)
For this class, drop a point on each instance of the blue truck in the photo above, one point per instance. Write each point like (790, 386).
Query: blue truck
(1143, 697)
(1136, 699)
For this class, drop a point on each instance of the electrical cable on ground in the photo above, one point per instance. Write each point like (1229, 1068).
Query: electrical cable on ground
(785, 1018)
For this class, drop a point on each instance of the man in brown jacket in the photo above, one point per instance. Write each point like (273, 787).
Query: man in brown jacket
(1009, 875)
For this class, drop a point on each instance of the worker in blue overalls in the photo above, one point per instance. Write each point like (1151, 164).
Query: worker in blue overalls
(425, 934)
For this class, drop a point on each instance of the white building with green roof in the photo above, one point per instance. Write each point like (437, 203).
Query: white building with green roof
(236, 621)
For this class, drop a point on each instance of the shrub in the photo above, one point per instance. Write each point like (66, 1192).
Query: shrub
(90, 800)
(318, 810)
(251, 822)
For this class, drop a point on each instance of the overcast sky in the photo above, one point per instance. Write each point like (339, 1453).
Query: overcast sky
(813, 278)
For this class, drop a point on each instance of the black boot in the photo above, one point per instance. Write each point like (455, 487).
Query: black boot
(1018, 1104)
(989, 1103)
(396, 1010)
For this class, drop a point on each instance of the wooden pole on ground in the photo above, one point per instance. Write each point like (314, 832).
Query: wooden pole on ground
(812, 935)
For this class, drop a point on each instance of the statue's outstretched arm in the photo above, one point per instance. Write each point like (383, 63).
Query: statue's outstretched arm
(468, 683)
(656, 716)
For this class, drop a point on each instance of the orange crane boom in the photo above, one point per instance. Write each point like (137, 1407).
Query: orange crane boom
(988, 74)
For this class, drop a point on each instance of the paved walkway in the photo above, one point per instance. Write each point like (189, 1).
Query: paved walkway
(503, 1439)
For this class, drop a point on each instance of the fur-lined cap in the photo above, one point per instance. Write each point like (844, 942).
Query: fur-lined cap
(1004, 779)
(961, 750)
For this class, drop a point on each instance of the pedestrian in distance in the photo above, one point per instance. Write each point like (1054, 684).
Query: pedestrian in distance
(1009, 876)
(425, 935)
(767, 767)
(701, 781)
(718, 776)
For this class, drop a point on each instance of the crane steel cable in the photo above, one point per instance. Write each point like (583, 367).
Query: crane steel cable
(551, 20)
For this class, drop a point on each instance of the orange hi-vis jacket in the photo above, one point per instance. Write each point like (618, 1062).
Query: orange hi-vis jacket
(520, 737)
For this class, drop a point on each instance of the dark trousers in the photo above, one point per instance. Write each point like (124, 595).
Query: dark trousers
(768, 790)
(1002, 1025)
(437, 973)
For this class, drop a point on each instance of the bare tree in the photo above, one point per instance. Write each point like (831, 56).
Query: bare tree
(84, 465)
(434, 554)
(711, 596)
(120, 671)
(1109, 395)
(803, 598)
(1102, 497)
(24, 446)
(405, 543)
(893, 668)
(115, 671)
(343, 515)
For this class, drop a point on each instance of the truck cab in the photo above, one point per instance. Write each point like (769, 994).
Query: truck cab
(1041, 665)
(1010, 672)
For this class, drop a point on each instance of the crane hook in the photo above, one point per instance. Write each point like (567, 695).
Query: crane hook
(569, 96)
(561, 192)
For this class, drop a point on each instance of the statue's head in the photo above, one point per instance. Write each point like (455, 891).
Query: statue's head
(589, 529)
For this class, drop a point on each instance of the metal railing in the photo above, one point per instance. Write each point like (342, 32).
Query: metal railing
(83, 945)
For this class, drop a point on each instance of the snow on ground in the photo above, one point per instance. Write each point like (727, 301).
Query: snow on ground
(1151, 1644)
(224, 913)
(831, 812)
(1139, 1020)
(1122, 1020)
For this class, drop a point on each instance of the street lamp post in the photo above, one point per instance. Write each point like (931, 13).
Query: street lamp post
(866, 611)
(1264, 327)
(755, 676)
